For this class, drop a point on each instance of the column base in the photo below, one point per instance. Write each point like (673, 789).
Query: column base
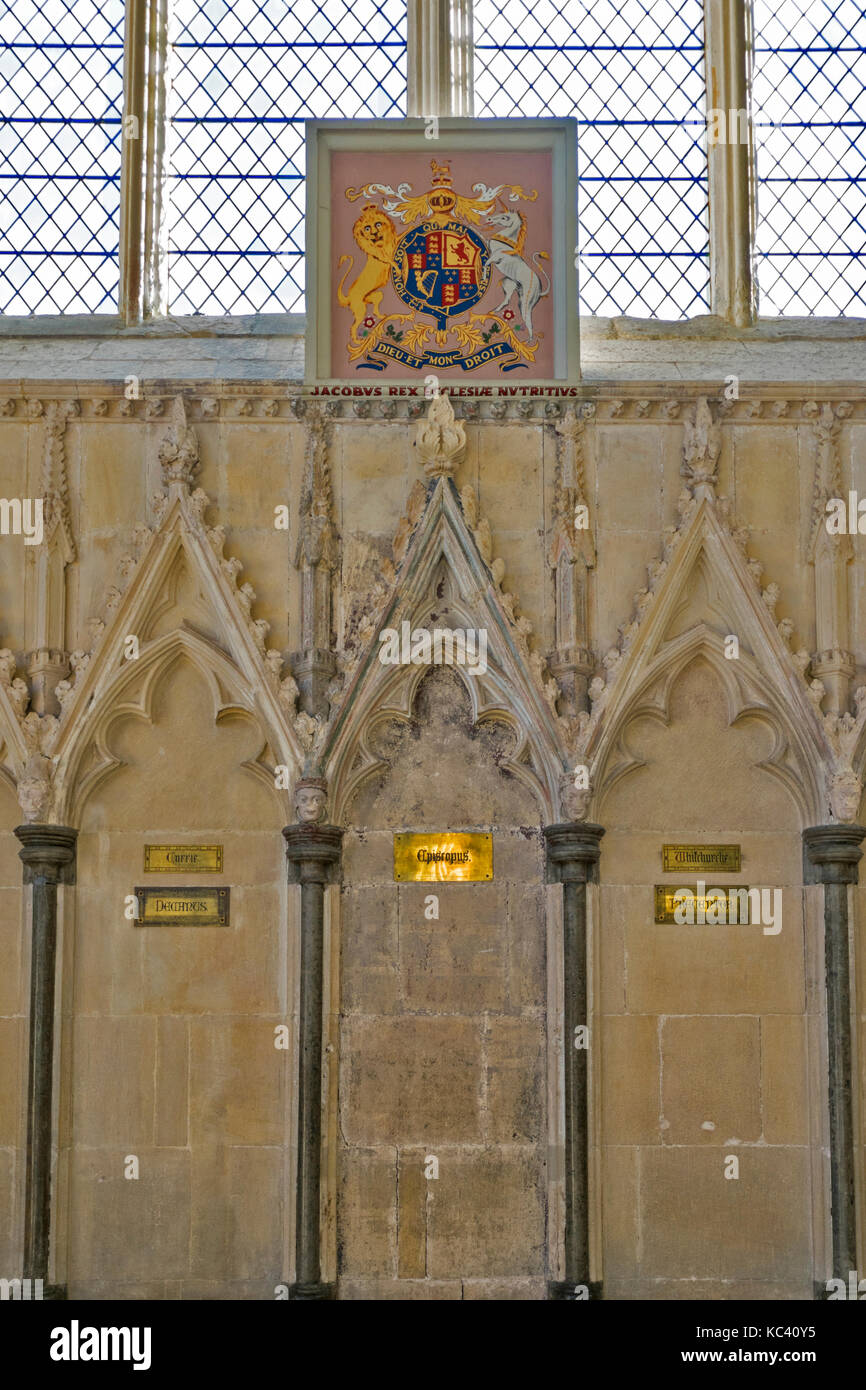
(560, 1292)
(309, 1293)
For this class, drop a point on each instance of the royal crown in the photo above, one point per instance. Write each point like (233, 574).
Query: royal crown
(441, 174)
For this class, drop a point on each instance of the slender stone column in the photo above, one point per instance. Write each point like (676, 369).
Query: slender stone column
(48, 855)
(313, 852)
(573, 850)
(831, 855)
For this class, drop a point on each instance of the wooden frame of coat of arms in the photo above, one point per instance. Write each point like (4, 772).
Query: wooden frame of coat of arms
(441, 248)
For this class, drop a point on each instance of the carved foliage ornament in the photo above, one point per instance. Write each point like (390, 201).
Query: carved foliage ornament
(440, 439)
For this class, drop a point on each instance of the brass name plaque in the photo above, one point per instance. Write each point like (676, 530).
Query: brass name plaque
(693, 859)
(449, 857)
(188, 859)
(714, 906)
(182, 907)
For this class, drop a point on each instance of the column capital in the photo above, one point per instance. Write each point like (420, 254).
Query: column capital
(48, 852)
(831, 853)
(573, 851)
(313, 851)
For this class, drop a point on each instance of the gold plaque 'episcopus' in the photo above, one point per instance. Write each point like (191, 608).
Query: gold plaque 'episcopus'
(692, 859)
(447, 857)
(182, 907)
(187, 859)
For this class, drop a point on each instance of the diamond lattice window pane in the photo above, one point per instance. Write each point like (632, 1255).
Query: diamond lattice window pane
(632, 73)
(61, 84)
(245, 77)
(809, 104)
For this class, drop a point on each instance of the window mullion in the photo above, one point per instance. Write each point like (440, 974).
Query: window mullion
(132, 159)
(730, 159)
(142, 221)
(155, 248)
(440, 58)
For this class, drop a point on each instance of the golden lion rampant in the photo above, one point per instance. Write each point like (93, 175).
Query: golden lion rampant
(375, 235)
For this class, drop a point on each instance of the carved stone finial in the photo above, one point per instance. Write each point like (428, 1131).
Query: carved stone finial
(178, 453)
(830, 554)
(55, 483)
(441, 440)
(828, 473)
(702, 444)
(317, 536)
(570, 457)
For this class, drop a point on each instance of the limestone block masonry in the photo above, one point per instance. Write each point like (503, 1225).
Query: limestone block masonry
(359, 1087)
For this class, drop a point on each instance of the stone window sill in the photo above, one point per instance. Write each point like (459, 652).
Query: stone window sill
(270, 348)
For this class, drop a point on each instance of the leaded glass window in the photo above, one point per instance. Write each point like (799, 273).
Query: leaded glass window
(809, 110)
(632, 72)
(61, 79)
(245, 77)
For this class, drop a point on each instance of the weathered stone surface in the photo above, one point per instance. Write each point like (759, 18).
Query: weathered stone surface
(504, 1290)
(107, 1210)
(115, 1061)
(754, 1226)
(515, 1051)
(711, 1090)
(8, 1252)
(413, 1200)
(402, 1290)
(451, 965)
(486, 1217)
(171, 1105)
(621, 1210)
(370, 951)
(257, 1239)
(526, 961)
(443, 1049)
(368, 1203)
(411, 1080)
(784, 1094)
(439, 1025)
(236, 1078)
(630, 1078)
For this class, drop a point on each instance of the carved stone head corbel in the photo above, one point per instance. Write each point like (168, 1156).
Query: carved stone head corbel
(846, 791)
(311, 800)
(574, 801)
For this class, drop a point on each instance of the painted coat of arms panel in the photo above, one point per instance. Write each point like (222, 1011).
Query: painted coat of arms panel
(442, 258)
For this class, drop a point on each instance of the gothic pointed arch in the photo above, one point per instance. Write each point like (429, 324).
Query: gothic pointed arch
(447, 578)
(705, 602)
(181, 598)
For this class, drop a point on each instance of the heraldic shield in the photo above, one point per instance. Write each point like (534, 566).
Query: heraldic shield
(441, 271)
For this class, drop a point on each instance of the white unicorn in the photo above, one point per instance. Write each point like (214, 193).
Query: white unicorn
(517, 274)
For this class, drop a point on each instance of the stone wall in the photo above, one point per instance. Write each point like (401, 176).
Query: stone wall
(443, 1044)
(704, 1028)
(170, 1033)
(707, 1041)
